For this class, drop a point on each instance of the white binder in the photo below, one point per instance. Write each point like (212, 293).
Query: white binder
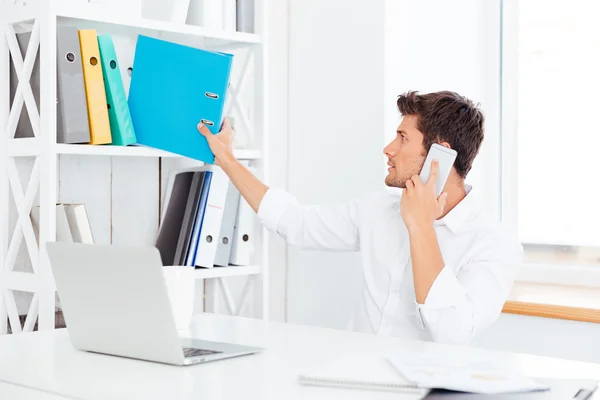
(242, 247)
(212, 219)
(245, 16)
(229, 217)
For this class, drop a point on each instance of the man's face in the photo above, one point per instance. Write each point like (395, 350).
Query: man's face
(405, 153)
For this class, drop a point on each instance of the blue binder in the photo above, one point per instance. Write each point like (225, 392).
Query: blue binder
(174, 87)
(197, 227)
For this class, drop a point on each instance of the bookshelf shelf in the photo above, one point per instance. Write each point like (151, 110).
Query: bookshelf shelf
(23, 281)
(42, 183)
(223, 272)
(83, 17)
(27, 147)
(148, 26)
(137, 151)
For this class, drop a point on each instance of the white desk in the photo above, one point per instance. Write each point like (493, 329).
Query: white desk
(46, 360)
(10, 391)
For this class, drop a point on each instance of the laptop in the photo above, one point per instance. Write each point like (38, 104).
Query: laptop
(115, 302)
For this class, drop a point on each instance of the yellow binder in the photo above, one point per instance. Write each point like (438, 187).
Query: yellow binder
(94, 87)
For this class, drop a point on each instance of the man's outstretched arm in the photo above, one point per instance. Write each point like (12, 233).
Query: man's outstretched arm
(311, 227)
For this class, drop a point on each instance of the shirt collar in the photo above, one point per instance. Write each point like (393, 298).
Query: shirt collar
(456, 218)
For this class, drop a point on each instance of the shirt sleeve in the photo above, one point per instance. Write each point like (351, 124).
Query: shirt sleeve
(458, 306)
(311, 227)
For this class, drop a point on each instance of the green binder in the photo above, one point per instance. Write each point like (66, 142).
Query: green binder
(119, 117)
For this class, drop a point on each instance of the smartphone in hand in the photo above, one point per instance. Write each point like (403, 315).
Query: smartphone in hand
(445, 157)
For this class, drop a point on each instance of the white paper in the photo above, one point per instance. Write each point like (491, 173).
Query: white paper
(467, 374)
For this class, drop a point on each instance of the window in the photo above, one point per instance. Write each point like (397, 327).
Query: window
(551, 128)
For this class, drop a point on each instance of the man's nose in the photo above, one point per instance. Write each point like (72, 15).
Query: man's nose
(388, 151)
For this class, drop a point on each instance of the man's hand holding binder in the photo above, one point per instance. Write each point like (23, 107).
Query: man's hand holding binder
(249, 186)
(221, 143)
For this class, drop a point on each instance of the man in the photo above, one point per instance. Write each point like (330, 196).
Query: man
(433, 268)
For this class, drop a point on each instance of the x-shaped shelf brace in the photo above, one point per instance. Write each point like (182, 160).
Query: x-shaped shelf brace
(233, 98)
(23, 69)
(23, 201)
(230, 305)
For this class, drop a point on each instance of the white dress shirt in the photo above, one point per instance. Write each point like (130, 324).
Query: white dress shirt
(481, 260)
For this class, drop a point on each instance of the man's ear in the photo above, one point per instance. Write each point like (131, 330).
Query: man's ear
(445, 144)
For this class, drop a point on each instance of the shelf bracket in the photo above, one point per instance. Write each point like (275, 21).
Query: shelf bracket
(232, 307)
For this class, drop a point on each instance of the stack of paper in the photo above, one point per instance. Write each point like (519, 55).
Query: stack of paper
(417, 374)
(466, 374)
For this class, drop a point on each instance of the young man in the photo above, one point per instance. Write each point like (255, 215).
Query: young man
(433, 268)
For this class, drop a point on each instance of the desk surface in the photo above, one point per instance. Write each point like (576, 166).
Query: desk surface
(47, 361)
(10, 391)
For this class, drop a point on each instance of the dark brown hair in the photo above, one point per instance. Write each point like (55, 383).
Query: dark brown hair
(447, 117)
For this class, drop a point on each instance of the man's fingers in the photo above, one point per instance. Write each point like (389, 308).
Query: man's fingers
(416, 179)
(442, 201)
(226, 124)
(409, 184)
(204, 130)
(433, 175)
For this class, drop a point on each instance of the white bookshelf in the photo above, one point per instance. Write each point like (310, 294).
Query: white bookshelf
(224, 272)
(42, 18)
(26, 147)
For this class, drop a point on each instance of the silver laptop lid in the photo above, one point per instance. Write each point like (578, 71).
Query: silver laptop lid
(115, 300)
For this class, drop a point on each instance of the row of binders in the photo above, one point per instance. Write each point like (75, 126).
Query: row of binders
(91, 100)
(206, 222)
(172, 88)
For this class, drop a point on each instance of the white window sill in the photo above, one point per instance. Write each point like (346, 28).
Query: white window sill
(563, 275)
(560, 292)
(558, 295)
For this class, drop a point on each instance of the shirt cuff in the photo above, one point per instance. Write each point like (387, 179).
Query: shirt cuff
(446, 291)
(272, 207)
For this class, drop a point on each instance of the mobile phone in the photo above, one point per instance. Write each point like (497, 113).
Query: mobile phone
(445, 157)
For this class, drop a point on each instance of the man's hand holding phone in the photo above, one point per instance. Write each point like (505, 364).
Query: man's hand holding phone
(419, 205)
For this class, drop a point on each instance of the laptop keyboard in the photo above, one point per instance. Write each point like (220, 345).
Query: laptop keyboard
(192, 352)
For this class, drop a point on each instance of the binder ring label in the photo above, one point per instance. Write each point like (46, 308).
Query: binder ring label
(70, 57)
(211, 95)
(94, 61)
(113, 64)
(207, 122)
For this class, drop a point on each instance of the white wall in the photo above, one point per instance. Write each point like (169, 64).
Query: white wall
(278, 45)
(335, 138)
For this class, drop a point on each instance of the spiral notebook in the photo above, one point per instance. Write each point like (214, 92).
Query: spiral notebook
(361, 371)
